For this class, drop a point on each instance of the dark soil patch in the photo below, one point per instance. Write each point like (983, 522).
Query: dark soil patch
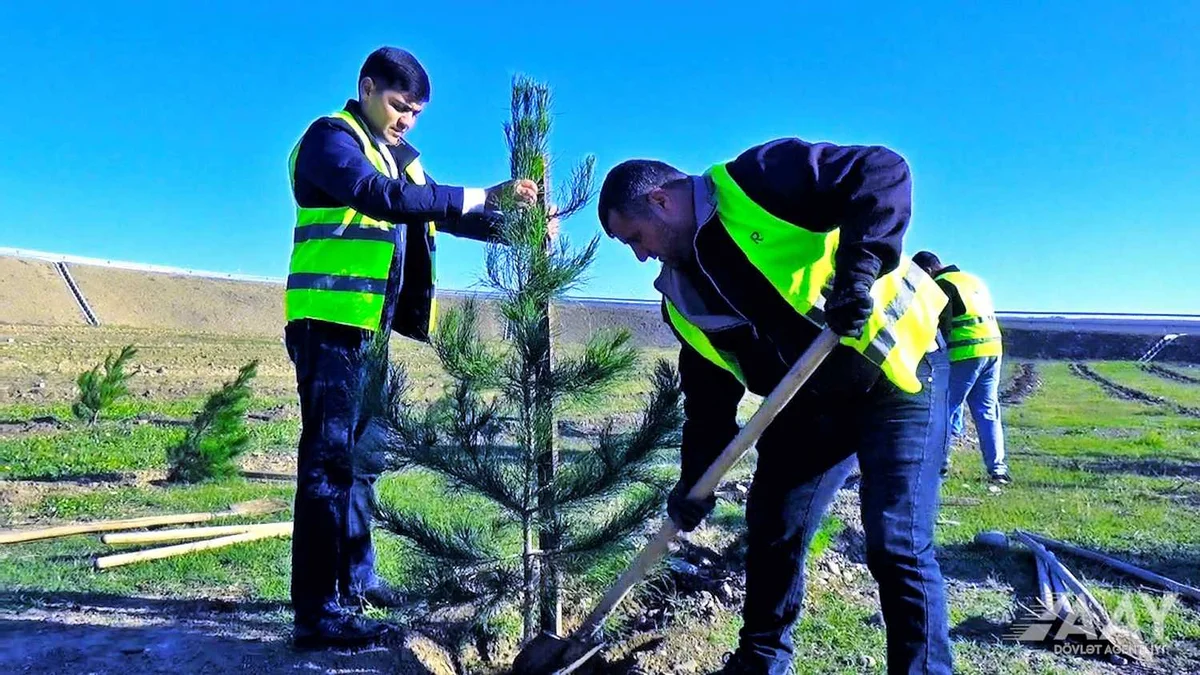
(1169, 374)
(1153, 468)
(1129, 393)
(1023, 385)
(37, 425)
(94, 633)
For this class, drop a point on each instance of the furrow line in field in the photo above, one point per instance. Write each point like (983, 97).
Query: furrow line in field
(1168, 374)
(1023, 385)
(1129, 393)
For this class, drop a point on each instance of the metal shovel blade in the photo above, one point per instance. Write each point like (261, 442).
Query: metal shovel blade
(549, 654)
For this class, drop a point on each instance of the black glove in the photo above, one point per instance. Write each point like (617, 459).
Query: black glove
(687, 514)
(849, 306)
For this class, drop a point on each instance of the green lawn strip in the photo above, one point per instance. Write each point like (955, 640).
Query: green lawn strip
(1068, 402)
(113, 448)
(128, 501)
(1130, 375)
(106, 449)
(1148, 452)
(1111, 511)
(131, 408)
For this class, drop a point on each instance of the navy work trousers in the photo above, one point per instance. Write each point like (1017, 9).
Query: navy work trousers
(332, 555)
(900, 441)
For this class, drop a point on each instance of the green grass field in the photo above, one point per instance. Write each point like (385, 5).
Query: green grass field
(1113, 475)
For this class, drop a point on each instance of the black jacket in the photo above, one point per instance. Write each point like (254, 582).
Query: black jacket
(864, 191)
(332, 170)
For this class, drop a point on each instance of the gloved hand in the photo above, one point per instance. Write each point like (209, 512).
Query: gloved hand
(687, 514)
(849, 306)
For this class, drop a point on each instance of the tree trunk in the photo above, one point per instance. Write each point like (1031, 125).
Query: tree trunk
(551, 577)
(529, 592)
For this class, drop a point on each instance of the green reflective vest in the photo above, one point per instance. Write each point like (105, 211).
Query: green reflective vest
(341, 258)
(974, 333)
(799, 265)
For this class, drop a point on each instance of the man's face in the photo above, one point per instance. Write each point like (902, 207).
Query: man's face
(389, 112)
(662, 228)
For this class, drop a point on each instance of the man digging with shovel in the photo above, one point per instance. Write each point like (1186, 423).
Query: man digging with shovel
(759, 255)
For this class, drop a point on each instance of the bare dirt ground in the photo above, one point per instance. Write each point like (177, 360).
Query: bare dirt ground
(33, 292)
(39, 364)
(78, 633)
(141, 300)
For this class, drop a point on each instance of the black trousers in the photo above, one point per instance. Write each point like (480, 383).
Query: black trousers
(332, 554)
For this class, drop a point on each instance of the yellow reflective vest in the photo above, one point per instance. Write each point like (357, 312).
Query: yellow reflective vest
(341, 258)
(974, 333)
(799, 265)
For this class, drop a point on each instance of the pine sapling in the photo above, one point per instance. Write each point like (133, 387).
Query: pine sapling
(532, 533)
(97, 392)
(218, 434)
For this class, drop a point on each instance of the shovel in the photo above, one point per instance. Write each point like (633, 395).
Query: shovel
(550, 654)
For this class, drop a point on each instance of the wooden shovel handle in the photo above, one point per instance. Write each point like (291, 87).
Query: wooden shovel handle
(749, 434)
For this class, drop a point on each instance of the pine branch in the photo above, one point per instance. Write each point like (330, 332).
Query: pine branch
(618, 461)
(605, 359)
(462, 544)
(218, 434)
(468, 453)
(578, 191)
(385, 386)
(98, 392)
(462, 352)
(487, 589)
(584, 541)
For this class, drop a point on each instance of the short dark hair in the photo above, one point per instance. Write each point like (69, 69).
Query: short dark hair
(396, 69)
(629, 181)
(927, 261)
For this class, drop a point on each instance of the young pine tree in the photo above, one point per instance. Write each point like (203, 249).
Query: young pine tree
(97, 392)
(553, 511)
(218, 434)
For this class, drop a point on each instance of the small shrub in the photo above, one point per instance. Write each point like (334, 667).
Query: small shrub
(218, 434)
(98, 392)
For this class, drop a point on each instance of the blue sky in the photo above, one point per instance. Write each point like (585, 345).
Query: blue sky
(1054, 144)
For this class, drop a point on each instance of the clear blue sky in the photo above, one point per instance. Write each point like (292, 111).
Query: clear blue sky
(1054, 144)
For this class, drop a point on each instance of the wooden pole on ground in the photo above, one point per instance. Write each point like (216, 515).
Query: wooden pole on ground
(110, 561)
(181, 534)
(255, 507)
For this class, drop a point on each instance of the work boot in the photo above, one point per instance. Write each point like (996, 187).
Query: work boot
(340, 631)
(381, 595)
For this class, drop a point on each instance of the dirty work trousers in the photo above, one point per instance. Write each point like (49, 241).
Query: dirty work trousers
(332, 555)
(975, 384)
(900, 441)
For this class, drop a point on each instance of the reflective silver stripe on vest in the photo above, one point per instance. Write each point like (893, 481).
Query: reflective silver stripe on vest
(333, 282)
(310, 232)
(883, 342)
(816, 313)
(973, 341)
(971, 321)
